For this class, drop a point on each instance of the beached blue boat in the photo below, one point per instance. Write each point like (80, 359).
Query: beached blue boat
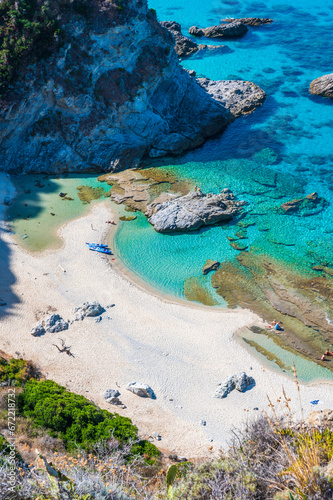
(96, 245)
(100, 249)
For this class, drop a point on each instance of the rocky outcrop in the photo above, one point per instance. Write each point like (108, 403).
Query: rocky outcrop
(211, 265)
(322, 86)
(227, 30)
(140, 389)
(184, 46)
(309, 205)
(238, 96)
(248, 21)
(190, 212)
(37, 330)
(240, 382)
(112, 92)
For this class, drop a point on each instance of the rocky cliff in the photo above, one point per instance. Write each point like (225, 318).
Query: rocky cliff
(107, 93)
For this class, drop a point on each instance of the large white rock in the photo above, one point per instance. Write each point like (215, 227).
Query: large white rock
(141, 389)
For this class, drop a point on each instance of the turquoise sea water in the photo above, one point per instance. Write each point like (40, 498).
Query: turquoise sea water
(282, 151)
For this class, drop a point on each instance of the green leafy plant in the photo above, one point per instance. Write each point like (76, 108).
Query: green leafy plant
(17, 370)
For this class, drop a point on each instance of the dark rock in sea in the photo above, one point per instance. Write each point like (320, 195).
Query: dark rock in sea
(322, 86)
(238, 96)
(211, 265)
(227, 30)
(309, 205)
(7, 201)
(248, 21)
(3, 302)
(55, 324)
(190, 212)
(183, 46)
(140, 389)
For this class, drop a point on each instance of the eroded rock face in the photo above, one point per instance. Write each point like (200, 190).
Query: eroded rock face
(190, 212)
(227, 30)
(55, 323)
(249, 21)
(183, 46)
(323, 86)
(113, 93)
(238, 96)
(89, 309)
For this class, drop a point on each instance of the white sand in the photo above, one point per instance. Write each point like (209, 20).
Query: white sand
(181, 351)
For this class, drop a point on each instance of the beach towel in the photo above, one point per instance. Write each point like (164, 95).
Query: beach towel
(315, 402)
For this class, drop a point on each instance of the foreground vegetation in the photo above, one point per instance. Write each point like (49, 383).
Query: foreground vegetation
(68, 448)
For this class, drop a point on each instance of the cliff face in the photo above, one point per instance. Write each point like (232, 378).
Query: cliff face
(111, 92)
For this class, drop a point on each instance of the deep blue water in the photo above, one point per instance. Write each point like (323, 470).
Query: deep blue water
(281, 151)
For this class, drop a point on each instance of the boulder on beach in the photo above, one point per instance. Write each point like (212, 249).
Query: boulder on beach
(226, 30)
(190, 212)
(55, 324)
(112, 396)
(141, 389)
(240, 382)
(37, 330)
(211, 265)
(89, 309)
(322, 86)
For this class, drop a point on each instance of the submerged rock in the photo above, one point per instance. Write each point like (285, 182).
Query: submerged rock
(248, 21)
(183, 46)
(237, 96)
(190, 212)
(322, 86)
(89, 309)
(211, 265)
(309, 205)
(55, 324)
(227, 30)
(140, 389)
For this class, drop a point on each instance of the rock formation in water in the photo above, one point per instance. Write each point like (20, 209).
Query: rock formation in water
(111, 92)
(211, 265)
(190, 212)
(248, 21)
(184, 46)
(227, 30)
(322, 86)
(238, 96)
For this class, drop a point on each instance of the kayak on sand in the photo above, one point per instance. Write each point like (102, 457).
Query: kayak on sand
(100, 249)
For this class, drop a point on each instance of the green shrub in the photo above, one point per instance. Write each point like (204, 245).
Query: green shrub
(16, 369)
(6, 453)
(77, 421)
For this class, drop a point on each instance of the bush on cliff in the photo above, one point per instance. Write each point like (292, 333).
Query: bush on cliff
(17, 370)
(77, 421)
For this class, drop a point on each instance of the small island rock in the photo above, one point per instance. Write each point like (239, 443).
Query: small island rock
(322, 86)
(190, 212)
(226, 30)
(211, 265)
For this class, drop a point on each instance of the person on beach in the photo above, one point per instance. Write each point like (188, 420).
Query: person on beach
(195, 188)
(327, 352)
(199, 190)
(278, 327)
(323, 358)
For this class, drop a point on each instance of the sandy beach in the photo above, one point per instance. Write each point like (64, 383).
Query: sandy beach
(181, 351)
